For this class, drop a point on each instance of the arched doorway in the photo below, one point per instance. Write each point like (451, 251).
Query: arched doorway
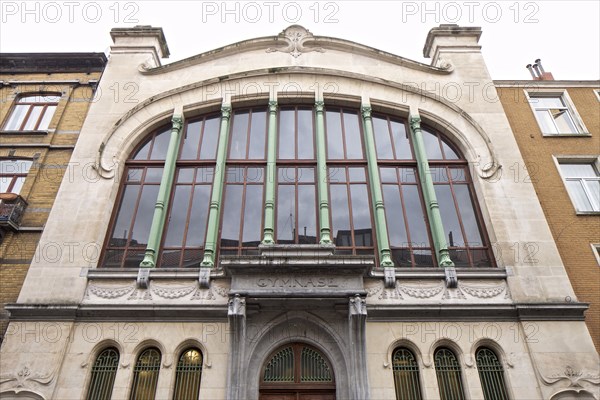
(297, 371)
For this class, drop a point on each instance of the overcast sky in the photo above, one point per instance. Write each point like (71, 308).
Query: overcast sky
(564, 34)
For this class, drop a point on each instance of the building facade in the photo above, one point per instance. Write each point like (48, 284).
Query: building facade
(560, 148)
(44, 99)
(298, 217)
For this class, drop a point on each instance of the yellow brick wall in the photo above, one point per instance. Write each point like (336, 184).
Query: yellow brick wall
(573, 233)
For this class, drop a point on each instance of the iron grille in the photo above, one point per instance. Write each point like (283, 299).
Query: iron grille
(406, 375)
(145, 375)
(447, 370)
(314, 367)
(491, 374)
(103, 375)
(281, 367)
(187, 375)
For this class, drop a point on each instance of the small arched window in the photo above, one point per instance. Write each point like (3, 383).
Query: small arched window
(447, 370)
(104, 371)
(491, 375)
(145, 375)
(32, 113)
(406, 375)
(188, 374)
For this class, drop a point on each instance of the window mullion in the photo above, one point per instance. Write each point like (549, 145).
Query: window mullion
(162, 200)
(271, 174)
(210, 245)
(322, 180)
(432, 206)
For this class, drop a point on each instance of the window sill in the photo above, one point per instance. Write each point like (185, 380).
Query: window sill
(582, 134)
(155, 273)
(587, 213)
(25, 133)
(462, 273)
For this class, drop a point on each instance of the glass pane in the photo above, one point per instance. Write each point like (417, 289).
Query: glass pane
(449, 217)
(143, 217)
(134, 174)
(357, 174)
(47, 117)
(191, 141)
(458, 175)
(123, 222)
(394, 216)
(253, 216)
(408, 175)
(205, 175)
(154, 175)
(423, 258)
(255, 175)
(361, 215)
(401, 143)
(578, 170)
(134, 257)
(307, 215)
(337, 175)
(415, 216)
(306, 174)
(18, 184)
(335, 149)
(305, 135)
(161, 145)
(546, 122)
(432, 146)
(401, 257)
(170, 258)
(208, 151)
(563, 120)
(353, 141)
(286, 175)
(448, 152)
(286, 134)
(388, 175)
(546, 102)
(286, 214)
(459, 257)
(439, 174)
(340, 218)
(198, 216)
(239, 135)
(582, 203)
(192, 257)
(32, 120)
(594, 191)
(232, 214)
(235, 174)
(382, 139)
(480, 258)
(258, 134)
(185, 175)
(142, 153)
(467, 214)
(5, 182)
(16, 118)
(178, 217)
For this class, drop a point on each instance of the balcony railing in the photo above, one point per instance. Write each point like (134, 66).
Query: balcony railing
(12, 208)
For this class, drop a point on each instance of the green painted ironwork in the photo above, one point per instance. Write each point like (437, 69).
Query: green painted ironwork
(447, 370)
(406, 375)
(491, 375)
(314, 367)
(162, 200)
(104, 371)
(210, 245)
(187, 375)
(432, 206)
(324, 228)
(385, 258)
(145, 375)
(271, 182)
(281, 366)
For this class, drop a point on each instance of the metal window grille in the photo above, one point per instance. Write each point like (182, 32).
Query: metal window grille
(406, 375)
(491, 374)
(447, 370)
(281, 367)
(188, 374)
(103, 375)
(145, 375)
(314, 367)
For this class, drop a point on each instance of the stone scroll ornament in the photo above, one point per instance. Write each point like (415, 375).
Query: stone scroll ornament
(293, 41)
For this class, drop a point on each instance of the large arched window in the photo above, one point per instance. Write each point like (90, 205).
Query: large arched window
(145, 375)
(491, 375)
(188, 374)
(104, 371)
(406, 375)
(447, 370)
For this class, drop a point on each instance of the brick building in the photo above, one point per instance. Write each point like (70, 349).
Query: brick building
(44, 99)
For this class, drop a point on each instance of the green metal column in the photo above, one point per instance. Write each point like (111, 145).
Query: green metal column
(210, 245)
(324, 229)
(162, 201)
(432, 206)
(376, 194)
(271, 181)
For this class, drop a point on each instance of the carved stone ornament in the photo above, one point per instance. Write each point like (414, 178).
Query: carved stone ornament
(169, 292)
(25, 376)
(483, 292)
(421, 292)
(573, 376)
(237, 306)
(358, 305)
(293, 39)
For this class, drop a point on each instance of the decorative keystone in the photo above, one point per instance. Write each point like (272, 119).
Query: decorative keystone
(358, 305)
(204, 278)
(451, 278)
(143, 278)
(389, 276)
(237, 306)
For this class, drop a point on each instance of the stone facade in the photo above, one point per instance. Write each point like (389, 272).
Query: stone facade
(351, 310)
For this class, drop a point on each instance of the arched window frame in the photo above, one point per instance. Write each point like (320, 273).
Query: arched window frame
(24, 115)
(489, 384)
(448, 376)
(148, 392)
(182, 382)
(101, 387)
(406, 391)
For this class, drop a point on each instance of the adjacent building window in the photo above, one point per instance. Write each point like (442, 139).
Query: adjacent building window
(596, 251)
(554, 114)
(104, 371)
(32, 113)
(447, 370)
(145, 375)
(13, 174)
(583, 184)
(491, 375)
(188, 374)
(406, 375)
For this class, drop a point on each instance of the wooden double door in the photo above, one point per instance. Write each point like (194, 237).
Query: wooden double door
(297, 371)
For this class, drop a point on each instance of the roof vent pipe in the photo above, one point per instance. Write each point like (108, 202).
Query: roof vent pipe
(538, 62)
(529, 67)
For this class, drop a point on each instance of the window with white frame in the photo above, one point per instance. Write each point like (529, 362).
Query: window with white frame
(555, 114)
(596, 250)
(13, 174)
(32, 113)
(582, 180)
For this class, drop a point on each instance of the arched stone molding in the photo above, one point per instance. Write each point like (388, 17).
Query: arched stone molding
(409, 345)
(574, 394)
(492, 344)
(93, 355)
(292, 327)
(191, 342)
(17, 394)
